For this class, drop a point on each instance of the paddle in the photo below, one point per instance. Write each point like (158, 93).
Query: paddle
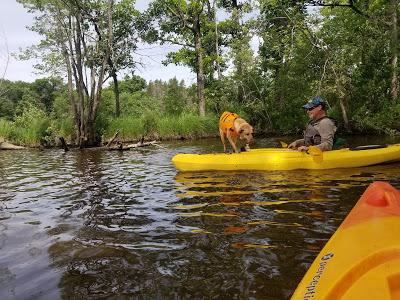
(314, 150)
(316, 153)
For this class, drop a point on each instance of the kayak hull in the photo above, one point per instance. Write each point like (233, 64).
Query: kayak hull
(285, 159)
(362, 258)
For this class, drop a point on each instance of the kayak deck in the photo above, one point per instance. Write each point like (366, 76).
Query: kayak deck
(362, 258)
(285, 159)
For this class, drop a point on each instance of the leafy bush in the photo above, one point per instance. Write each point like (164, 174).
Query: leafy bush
(62, 120)
(138, 103)
(6, 128)
(31, 127)
(386, 120)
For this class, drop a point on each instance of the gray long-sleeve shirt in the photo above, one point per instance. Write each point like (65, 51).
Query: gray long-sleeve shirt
(326, 129)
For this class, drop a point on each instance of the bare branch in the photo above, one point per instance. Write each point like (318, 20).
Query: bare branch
(334, 3)
(7, 60)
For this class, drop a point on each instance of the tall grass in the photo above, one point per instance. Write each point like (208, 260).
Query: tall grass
(64, 127)
(163, 127)
(188, 126)
(6, 128)
(129, 128)
(31, 127)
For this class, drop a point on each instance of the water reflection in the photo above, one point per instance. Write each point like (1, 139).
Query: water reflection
(93, 224)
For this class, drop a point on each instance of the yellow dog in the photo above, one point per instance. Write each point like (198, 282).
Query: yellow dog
(234, 127)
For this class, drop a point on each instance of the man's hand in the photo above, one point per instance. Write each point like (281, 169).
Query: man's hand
(292, 145)
(302, 149)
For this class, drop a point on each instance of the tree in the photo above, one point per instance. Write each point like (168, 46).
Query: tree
(180, 22)
(81, 44)
(132, 84)
(238, 32)
(174, 100)
(385, 14)
(124, 42)
(283, 31)
(4, 58)
(47, 89)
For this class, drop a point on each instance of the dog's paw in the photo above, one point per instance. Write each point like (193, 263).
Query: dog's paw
(245, 148)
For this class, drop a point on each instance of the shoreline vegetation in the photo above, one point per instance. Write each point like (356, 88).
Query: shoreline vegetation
(89, 47)
(130, 130)
(36, 115)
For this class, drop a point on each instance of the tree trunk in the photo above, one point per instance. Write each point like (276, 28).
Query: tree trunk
(79, 79)
(278, 97)
(342, 103)
(116, 93)
(199, 69)
(216, 42)
(95, 95)
(116, 88)
(394, 50)
(342, 100)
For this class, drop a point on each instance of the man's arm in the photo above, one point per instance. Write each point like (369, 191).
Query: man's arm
(296, 144)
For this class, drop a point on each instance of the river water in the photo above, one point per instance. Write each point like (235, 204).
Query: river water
(102, 224)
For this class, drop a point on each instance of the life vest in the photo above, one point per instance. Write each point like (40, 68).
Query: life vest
(226, 122)
(312, 136)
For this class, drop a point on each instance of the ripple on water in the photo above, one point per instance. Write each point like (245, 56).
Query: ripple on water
(91, 224)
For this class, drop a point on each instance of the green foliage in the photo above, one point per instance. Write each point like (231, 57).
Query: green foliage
(138, 103)
(31, 127)
(62, 122)
(149, 123)
(6, 128)
(385, 120)
(344, 54)
(187, 125)
(174, 100)
(175, 22)
(132, 84)
(6, 108)
(14, 96)
(130, 128)
(46, 90)
(105, 112)
(163, 127)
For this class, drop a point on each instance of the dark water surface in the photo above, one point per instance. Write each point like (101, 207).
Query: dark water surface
(95, 224)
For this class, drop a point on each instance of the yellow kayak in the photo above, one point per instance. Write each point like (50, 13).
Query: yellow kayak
(287, 159)
(361, 261)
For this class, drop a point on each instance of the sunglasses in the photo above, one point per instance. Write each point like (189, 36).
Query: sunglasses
(311, 108)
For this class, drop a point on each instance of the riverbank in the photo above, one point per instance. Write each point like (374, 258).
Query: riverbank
(34, 132)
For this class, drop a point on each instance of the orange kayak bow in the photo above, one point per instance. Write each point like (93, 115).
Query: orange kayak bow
(362, 258)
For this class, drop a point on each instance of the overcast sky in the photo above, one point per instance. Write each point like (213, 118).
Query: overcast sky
(14, 35)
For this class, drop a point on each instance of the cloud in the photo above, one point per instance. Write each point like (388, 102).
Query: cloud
(15, 35)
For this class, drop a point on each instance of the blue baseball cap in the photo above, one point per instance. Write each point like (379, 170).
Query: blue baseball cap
(314, 102)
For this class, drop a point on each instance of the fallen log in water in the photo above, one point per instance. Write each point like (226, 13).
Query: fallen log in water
(113, 138)
(120, 146)
(9, 146)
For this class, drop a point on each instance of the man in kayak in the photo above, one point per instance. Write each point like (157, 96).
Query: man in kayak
(320, 130)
